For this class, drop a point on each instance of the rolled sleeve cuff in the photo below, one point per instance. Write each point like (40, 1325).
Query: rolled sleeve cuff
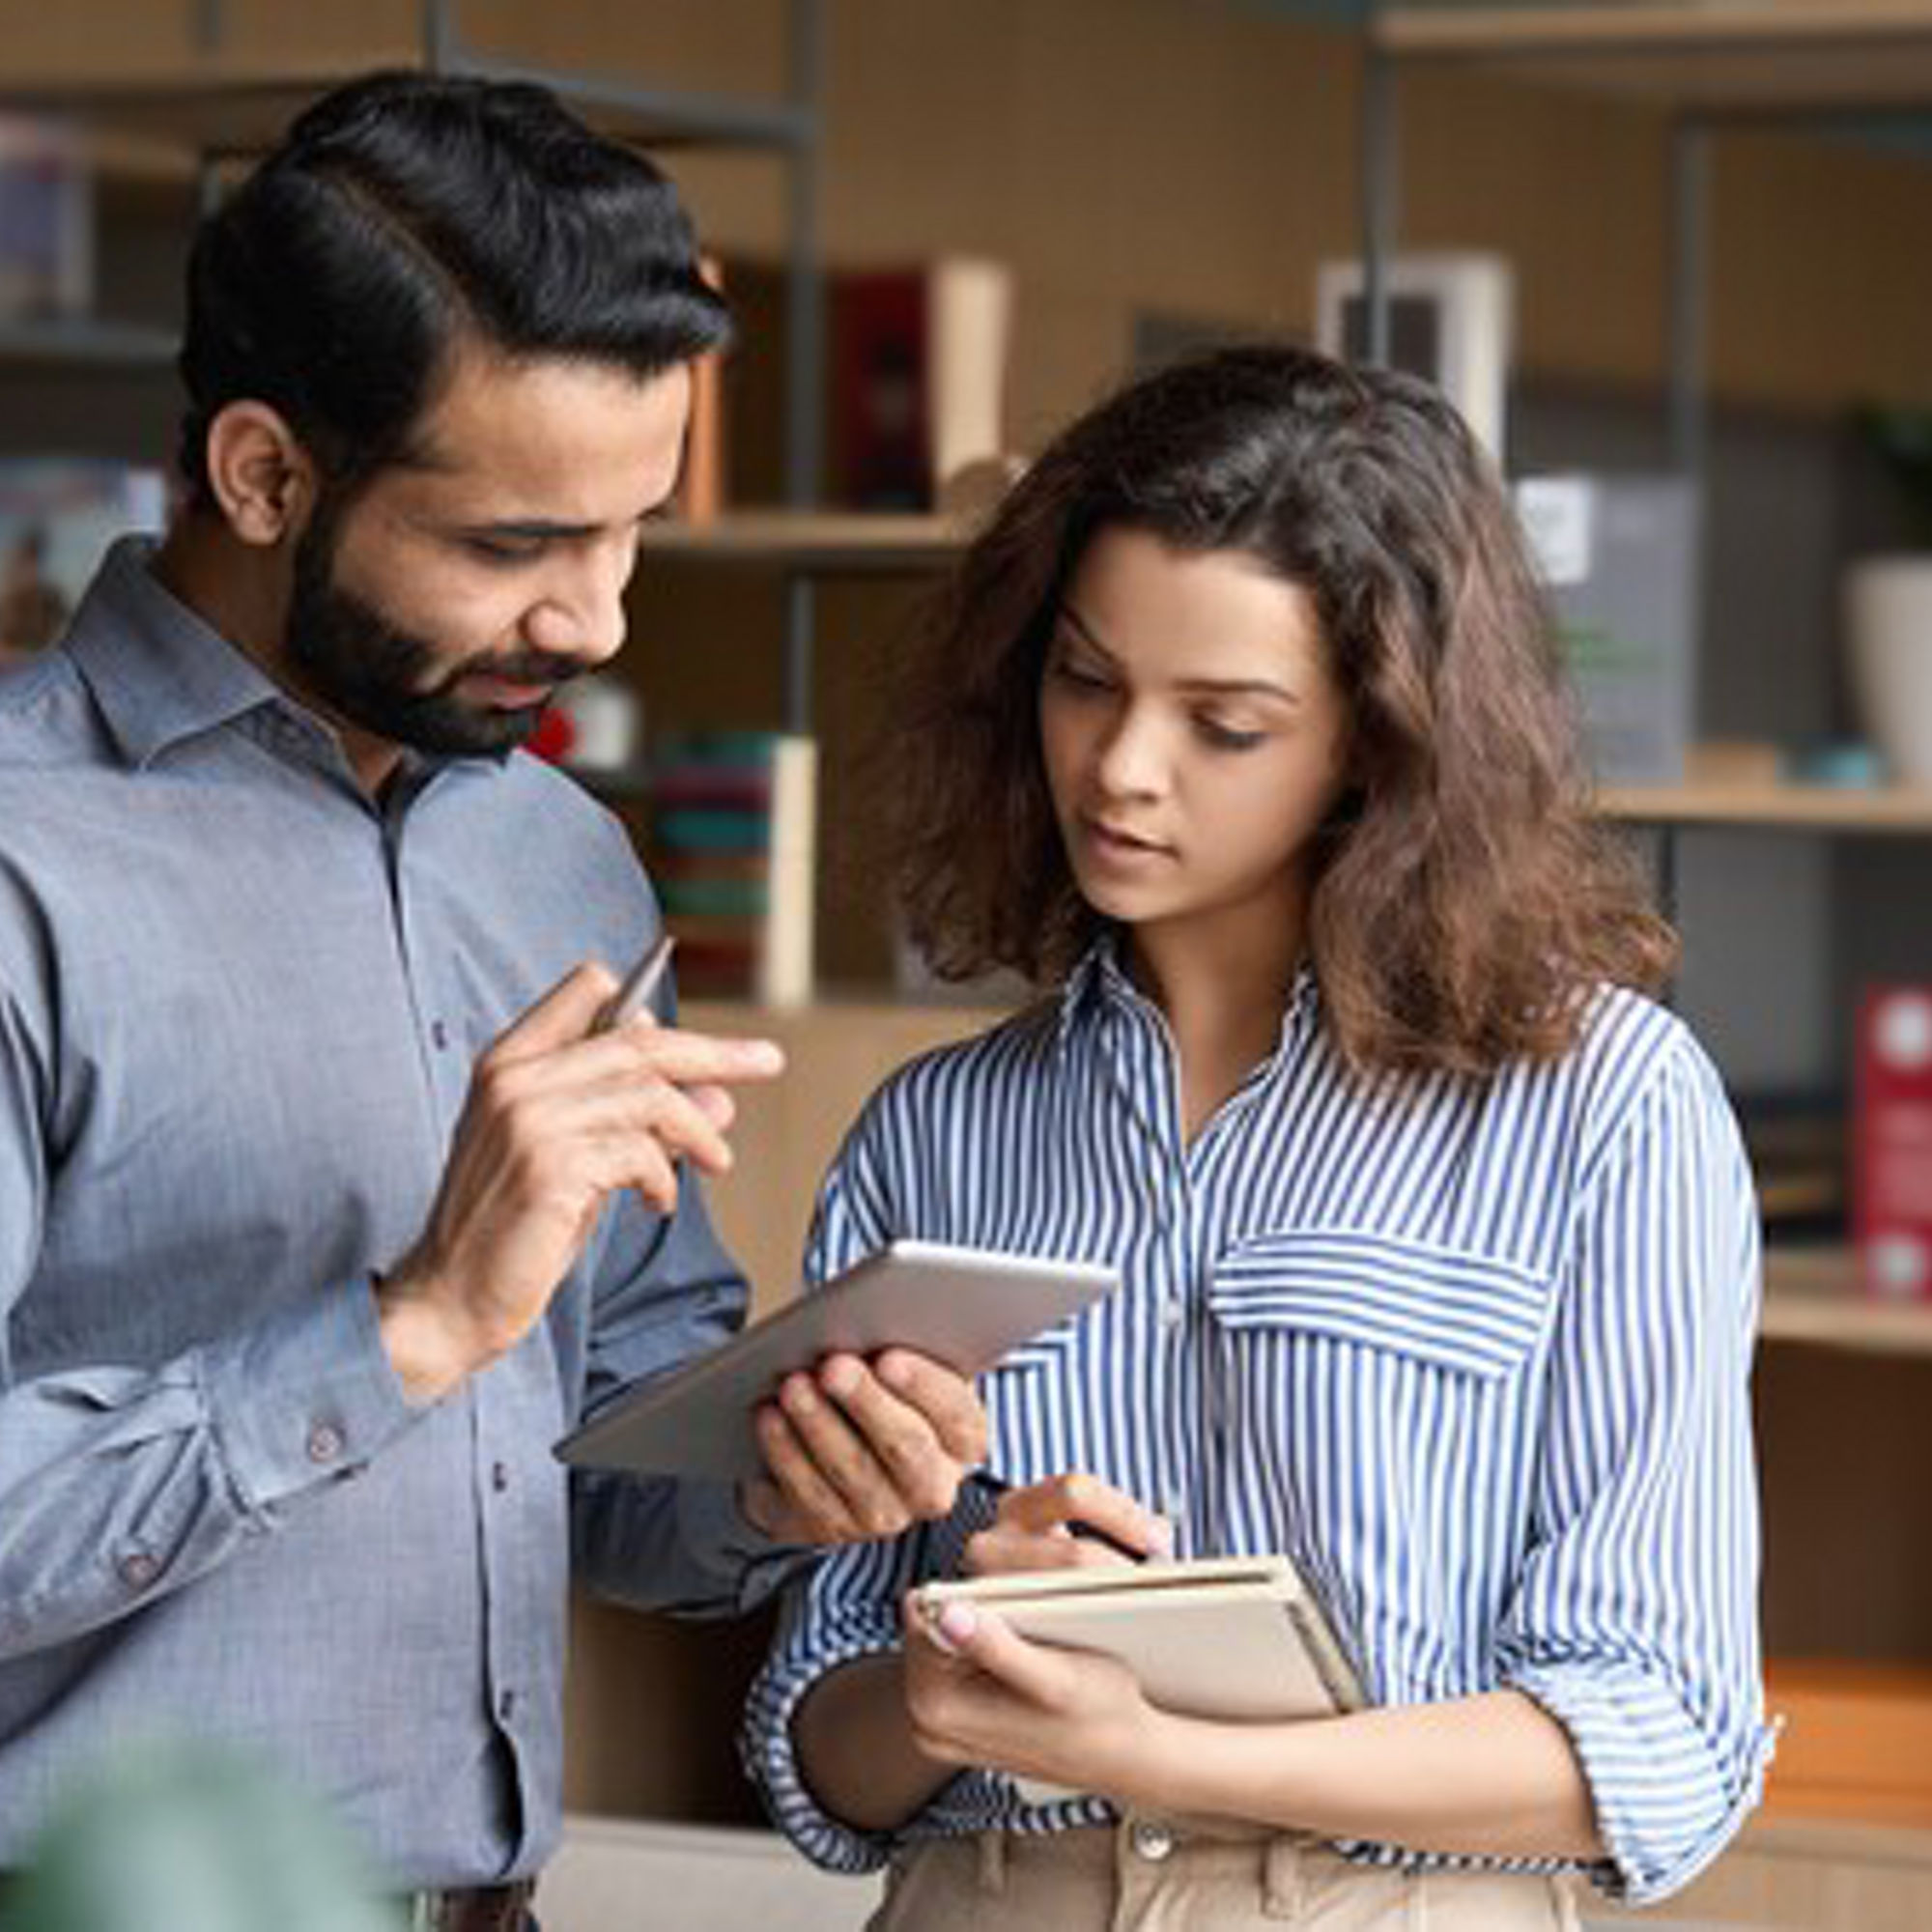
(771, 1760)
(1665, 1805)
(305, 1398)
(736, 1555)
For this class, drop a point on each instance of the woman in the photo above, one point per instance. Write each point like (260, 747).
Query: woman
(1241, 732)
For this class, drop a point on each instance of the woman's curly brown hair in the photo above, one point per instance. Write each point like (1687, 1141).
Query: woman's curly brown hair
(1465, 900)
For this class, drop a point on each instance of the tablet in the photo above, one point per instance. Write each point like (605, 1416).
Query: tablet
(964, 1307)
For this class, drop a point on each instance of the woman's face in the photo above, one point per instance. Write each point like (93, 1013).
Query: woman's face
(1193, 734)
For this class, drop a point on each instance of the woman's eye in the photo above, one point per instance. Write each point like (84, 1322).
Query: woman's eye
(1227, 737)
(1081, 677)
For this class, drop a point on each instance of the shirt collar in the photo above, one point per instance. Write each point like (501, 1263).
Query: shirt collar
(1101, 982)
(159, 673)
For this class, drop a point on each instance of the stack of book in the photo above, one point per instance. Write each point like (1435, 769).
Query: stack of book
(732, 853)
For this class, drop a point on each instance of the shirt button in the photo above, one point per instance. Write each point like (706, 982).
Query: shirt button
(138, 1570)
(438, 1035)
(507, 1705)
(325, 1442)
(499, 1477)
(1172, 1313)
(1174, 1503)
(1150, 1841)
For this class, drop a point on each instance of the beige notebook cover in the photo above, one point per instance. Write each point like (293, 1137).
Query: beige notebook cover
(1231, 1637)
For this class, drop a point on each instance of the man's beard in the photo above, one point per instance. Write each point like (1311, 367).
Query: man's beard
(377, 676)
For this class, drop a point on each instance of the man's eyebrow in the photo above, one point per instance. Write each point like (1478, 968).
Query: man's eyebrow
(540, 529)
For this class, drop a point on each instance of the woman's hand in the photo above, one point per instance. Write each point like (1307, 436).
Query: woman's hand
(979, 1694)
(1069, 1520)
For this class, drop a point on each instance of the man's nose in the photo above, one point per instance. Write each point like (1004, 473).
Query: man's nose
(580, 614)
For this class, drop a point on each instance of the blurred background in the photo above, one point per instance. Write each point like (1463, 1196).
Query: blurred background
(1675, 261)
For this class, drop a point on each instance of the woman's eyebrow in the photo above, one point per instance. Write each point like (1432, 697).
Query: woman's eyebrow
(1074, 621)
(1218, 687)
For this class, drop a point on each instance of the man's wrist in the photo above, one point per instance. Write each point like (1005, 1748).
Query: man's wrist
(427, 1360)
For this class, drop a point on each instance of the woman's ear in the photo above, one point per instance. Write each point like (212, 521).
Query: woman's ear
(261, 475)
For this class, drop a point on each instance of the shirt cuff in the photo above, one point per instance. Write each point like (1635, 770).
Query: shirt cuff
(1664, 1805)
(732, 1551)
(771, 1757)
(305, 1396)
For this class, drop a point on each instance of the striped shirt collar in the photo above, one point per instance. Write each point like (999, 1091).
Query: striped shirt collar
(1100, 984)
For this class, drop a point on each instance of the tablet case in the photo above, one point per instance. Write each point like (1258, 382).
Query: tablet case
(962, 1306)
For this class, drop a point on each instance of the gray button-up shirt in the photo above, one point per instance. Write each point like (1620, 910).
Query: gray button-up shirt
(238, 1007)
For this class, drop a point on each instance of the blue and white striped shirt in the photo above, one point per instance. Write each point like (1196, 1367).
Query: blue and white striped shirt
(1474, 1357)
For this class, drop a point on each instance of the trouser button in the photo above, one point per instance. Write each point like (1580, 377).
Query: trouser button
(1151, 1840)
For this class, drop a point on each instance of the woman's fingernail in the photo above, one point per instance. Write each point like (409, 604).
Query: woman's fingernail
(955, 1626)
(1163, 1537)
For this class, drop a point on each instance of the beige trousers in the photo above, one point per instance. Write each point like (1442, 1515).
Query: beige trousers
(1145, 1875)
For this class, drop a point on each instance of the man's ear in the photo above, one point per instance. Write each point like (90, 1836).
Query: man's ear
(263, 478)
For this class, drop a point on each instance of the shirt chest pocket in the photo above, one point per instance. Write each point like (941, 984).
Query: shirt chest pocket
(1443, 1310)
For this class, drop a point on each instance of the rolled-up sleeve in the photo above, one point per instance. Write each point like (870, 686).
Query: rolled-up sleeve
(1634, 1623)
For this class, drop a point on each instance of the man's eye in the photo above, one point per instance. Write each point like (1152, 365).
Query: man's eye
(503, 550)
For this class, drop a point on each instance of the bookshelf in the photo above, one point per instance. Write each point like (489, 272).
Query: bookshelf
(1841, 1384)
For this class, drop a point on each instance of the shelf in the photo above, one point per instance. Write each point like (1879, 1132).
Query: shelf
(1890, 808)
(223, 106)
(1813, 1295)
(855, 542)
(90, 344)
(1856, 1748)
(1750, 56)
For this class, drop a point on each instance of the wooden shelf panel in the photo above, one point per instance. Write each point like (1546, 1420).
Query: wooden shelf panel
(1887, 808)
(1754, 56)
(1813, 1295)
(219, 105)
(88, 343)
(811, 540)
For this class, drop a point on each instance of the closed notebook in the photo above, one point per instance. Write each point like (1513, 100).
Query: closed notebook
(1226, 1638)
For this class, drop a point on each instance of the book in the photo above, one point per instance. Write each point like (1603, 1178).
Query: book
(57, 517)
(1892, 1142)
(46, 219)
(732, 849)
(1617, 555)
(1238, 1639)
(914, 365)
(918, 378)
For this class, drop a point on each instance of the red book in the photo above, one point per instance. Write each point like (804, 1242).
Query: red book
(1892, 1142)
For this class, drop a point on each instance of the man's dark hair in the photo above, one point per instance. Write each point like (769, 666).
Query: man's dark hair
(403, 214)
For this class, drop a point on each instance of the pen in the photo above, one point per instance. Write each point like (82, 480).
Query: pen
(994, 1487)
(637, 991)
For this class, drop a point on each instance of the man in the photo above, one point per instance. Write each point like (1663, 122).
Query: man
(325, 1206)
